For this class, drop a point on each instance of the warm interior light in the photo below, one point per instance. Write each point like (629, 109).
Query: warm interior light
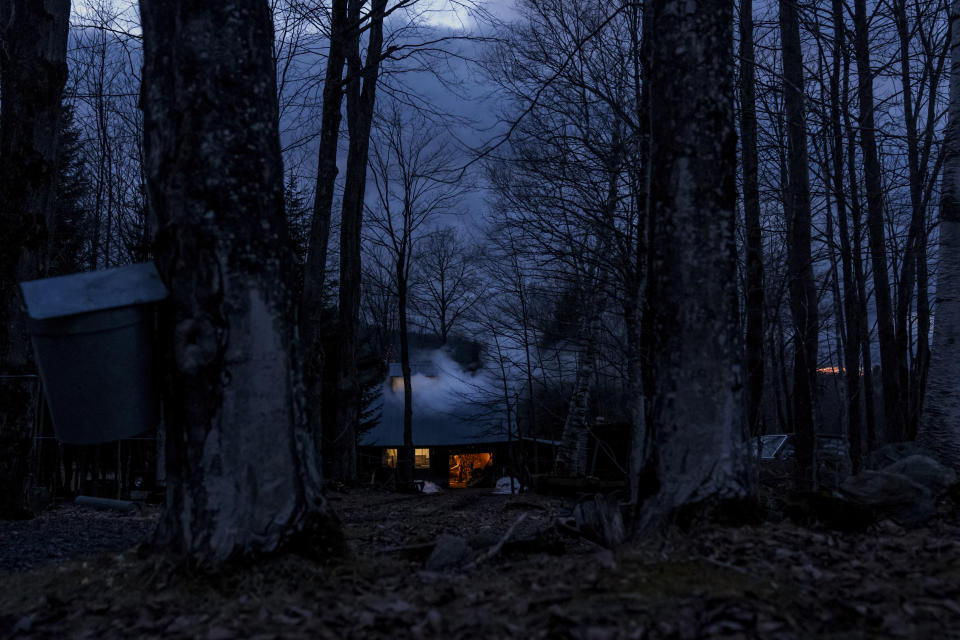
(421, 458)
(467, 468)
(389, 458)
(835, 370)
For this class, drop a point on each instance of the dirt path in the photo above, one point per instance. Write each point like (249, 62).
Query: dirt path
(775, 581)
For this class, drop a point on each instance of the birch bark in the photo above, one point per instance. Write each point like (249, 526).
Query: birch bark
(940, 423)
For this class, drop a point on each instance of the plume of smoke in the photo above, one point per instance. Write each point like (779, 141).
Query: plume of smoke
(469, 404)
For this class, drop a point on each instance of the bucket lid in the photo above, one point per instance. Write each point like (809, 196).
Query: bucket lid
(93, 291)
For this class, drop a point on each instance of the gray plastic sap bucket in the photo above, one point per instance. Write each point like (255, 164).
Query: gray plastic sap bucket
(92, 335)
(97, 372)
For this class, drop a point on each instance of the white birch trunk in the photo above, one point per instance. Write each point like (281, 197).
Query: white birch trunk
(572, 452)
(939, 428)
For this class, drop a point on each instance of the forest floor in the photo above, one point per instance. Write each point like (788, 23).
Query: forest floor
(776, 580)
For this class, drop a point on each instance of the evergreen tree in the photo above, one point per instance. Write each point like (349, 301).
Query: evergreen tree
(72, 218)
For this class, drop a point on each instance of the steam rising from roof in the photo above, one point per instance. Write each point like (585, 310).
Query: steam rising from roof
(450, 405)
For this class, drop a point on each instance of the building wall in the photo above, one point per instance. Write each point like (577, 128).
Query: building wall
(439, 470)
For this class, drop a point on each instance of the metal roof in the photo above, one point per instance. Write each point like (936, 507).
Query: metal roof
(771, 445)
(555, 443)
(93, 291)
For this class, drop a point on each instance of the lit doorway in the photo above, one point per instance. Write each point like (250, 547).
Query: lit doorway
(469, 469)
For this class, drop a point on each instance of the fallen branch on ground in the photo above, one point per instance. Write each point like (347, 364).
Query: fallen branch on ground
(495, 549)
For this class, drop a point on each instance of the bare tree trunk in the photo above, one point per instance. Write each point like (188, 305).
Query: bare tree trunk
(912, 271)
(638, 426)
(242, 471)
(850, 307)
(572, 452)
(834, 275)
(940, 423)
(504, 379)
(779, 381)
(406, 458)
(803, 294)
(528, 361)
(633, 298)
(330, 117)
(311, 301)
(934, 70)
(870, 435)
(361, 94)
(921, 363)
(916, 231)
(696, 427)
(893, 401)
(751, 216)
(33, 71)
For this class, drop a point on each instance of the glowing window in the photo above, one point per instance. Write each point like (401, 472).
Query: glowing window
(389, 458)
(467, 469)
(421, 458)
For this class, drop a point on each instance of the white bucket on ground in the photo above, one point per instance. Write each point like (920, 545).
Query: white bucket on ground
(430, 487)
(503, 486)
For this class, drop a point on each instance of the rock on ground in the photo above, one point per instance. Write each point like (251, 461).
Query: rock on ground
(893, 452)
(450, 553)
(777, 580)
(925, 471)
(893, 495)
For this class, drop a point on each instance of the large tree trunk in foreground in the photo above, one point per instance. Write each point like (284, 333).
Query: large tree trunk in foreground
(697, 449)
(33, 70)
(803, 293)
(242, 471)
(940, 423)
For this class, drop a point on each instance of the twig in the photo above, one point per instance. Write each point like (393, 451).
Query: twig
(724, 565)
(495, 549)
(410, 548)
(574, 532)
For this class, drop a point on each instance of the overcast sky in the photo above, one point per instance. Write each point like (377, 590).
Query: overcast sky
(453, 14)
(470, 103)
